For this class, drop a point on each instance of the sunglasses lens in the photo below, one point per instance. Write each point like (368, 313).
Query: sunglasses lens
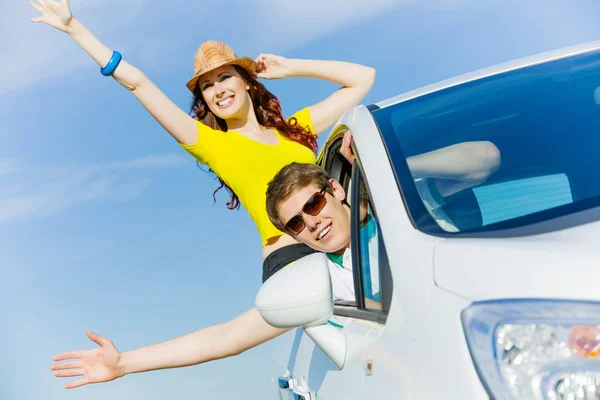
(315, 204)
(295, 225)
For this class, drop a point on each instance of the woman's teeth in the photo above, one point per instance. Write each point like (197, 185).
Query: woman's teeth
(324, 232)
(226, 102)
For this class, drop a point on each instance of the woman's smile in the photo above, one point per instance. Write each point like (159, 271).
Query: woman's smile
(226, 102)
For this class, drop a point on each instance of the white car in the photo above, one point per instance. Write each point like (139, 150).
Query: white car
(504, 306)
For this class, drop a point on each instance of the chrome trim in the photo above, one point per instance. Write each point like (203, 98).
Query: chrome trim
(351, 312)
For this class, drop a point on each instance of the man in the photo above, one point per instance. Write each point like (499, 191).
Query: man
(248, 330)
(303, 201)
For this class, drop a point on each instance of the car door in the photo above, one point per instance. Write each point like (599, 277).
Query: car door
(309, 370)
(375, 201)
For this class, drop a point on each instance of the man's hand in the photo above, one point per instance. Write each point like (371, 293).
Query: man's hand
(97, 365)
(346, 149)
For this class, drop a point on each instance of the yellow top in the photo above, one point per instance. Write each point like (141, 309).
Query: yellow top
(247, 166)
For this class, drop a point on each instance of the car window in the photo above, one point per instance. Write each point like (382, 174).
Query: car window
(537, 126)
(370, 258)
(372, 277)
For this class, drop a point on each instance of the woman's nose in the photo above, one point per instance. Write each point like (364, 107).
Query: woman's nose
(219, 90)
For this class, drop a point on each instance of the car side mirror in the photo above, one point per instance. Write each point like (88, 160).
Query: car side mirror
(300, 295)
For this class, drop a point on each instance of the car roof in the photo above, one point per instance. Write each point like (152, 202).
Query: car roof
(475, 75)
(494, 70)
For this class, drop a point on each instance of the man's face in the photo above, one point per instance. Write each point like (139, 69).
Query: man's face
(329, 230)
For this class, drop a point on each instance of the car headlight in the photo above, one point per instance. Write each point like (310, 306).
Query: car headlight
(536, 349)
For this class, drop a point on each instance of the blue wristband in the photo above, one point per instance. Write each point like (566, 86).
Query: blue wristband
(112, 64)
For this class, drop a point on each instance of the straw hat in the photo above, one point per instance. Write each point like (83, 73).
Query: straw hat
(213, 54)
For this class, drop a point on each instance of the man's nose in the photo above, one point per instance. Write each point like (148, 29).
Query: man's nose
(312, 222)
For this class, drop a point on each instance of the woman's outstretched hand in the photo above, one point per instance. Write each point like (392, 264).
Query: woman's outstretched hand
(54, 13)
(272, 67)
(98, 365)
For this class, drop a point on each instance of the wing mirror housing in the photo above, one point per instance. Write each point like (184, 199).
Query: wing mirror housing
(300, 295)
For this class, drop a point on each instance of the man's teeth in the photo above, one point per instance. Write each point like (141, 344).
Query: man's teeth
(225, 102)
(324, 232)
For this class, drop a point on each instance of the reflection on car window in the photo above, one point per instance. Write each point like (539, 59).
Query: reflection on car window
(542, 120)
(434, 203)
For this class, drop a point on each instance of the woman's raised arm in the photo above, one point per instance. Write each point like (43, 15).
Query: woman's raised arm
(178, 123)
(356, 81)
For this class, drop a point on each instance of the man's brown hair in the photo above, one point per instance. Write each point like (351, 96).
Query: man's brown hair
(291, 178)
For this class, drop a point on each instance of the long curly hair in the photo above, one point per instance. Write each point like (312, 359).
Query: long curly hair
(268, 113)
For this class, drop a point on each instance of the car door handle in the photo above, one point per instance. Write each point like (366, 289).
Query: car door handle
(285, 382)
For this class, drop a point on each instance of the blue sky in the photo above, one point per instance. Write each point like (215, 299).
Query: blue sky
(106, 224)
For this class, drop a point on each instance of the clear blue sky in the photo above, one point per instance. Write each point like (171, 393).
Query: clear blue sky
(106, 224)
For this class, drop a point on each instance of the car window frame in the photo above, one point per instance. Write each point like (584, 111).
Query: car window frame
(350, 175)
(385, 283)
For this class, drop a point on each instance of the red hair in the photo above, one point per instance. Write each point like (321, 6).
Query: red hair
(268, 113)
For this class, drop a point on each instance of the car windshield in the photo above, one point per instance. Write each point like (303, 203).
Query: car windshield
(539, 128)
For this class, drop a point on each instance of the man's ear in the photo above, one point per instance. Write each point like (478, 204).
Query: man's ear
(338, 191)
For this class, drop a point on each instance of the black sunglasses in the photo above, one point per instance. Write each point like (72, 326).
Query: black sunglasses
(313, 206)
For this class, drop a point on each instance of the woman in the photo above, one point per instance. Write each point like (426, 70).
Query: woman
(240, 133)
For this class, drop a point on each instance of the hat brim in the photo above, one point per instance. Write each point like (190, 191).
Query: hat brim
(245, 62)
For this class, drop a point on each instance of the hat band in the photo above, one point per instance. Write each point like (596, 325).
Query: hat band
(212, 66)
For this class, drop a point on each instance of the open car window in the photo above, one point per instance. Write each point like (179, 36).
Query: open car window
(371, 266)
(372, 278)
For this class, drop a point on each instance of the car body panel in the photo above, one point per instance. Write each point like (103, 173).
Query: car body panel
(526, 262)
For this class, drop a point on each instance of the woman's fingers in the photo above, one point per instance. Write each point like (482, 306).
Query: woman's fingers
(261, 60)
(68, 373)
(78, 383)
(36, 6)
(66, 365)
(260, 64)
(69, 354)
(38, 19)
